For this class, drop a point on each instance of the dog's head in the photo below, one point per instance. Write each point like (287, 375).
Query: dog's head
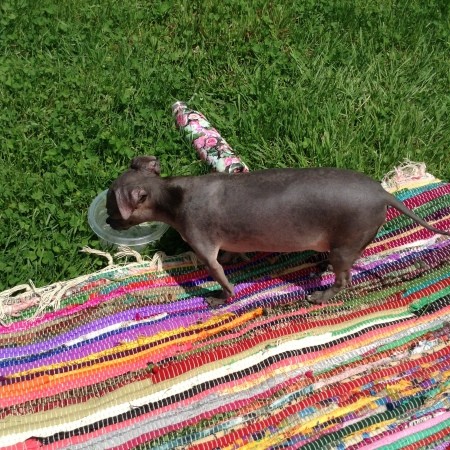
(128, 201)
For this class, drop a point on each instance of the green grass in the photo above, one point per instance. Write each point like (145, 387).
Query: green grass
(87, 84)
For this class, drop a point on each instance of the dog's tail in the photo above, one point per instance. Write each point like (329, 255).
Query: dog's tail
(397, 204)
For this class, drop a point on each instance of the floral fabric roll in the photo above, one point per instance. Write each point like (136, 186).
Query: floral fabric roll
(210, 145)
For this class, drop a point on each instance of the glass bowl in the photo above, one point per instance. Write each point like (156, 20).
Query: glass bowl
(136, 237)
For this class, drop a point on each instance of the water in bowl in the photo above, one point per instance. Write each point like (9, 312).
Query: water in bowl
(136, 237)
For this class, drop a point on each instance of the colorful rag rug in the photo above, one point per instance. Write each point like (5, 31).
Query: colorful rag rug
(133, 358)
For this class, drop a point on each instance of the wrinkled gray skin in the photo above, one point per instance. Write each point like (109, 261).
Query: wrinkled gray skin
(276, 210)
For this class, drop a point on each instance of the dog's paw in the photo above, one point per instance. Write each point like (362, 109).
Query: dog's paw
(216, 299)
(319, 298)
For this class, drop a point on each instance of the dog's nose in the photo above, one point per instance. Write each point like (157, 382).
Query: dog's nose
(116, 224)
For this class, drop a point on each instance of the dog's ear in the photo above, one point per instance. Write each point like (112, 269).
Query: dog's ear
(148, 163)
(129, 199)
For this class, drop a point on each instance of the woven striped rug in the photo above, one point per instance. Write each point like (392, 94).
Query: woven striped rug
(132, 357)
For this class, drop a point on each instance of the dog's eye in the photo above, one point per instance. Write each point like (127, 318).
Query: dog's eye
(142, 198)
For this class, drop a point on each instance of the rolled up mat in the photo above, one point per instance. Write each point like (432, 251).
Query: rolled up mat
(210, 145)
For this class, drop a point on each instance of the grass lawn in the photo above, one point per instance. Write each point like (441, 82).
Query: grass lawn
(87, 84)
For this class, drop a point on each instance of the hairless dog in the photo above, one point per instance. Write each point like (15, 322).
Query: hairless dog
(275, 210)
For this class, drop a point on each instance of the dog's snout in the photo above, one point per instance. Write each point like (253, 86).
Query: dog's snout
(113, 223)
(117, 224)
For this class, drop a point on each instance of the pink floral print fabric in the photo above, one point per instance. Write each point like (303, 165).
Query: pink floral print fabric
(210, 145)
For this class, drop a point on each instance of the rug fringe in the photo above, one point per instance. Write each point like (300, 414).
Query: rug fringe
(94, 251)
(406, 173)
(13, 301)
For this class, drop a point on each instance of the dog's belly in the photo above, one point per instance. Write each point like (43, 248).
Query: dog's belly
(274, 243)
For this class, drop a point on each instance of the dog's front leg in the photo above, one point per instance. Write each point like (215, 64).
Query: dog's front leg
(208, 255)
(218, 298)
